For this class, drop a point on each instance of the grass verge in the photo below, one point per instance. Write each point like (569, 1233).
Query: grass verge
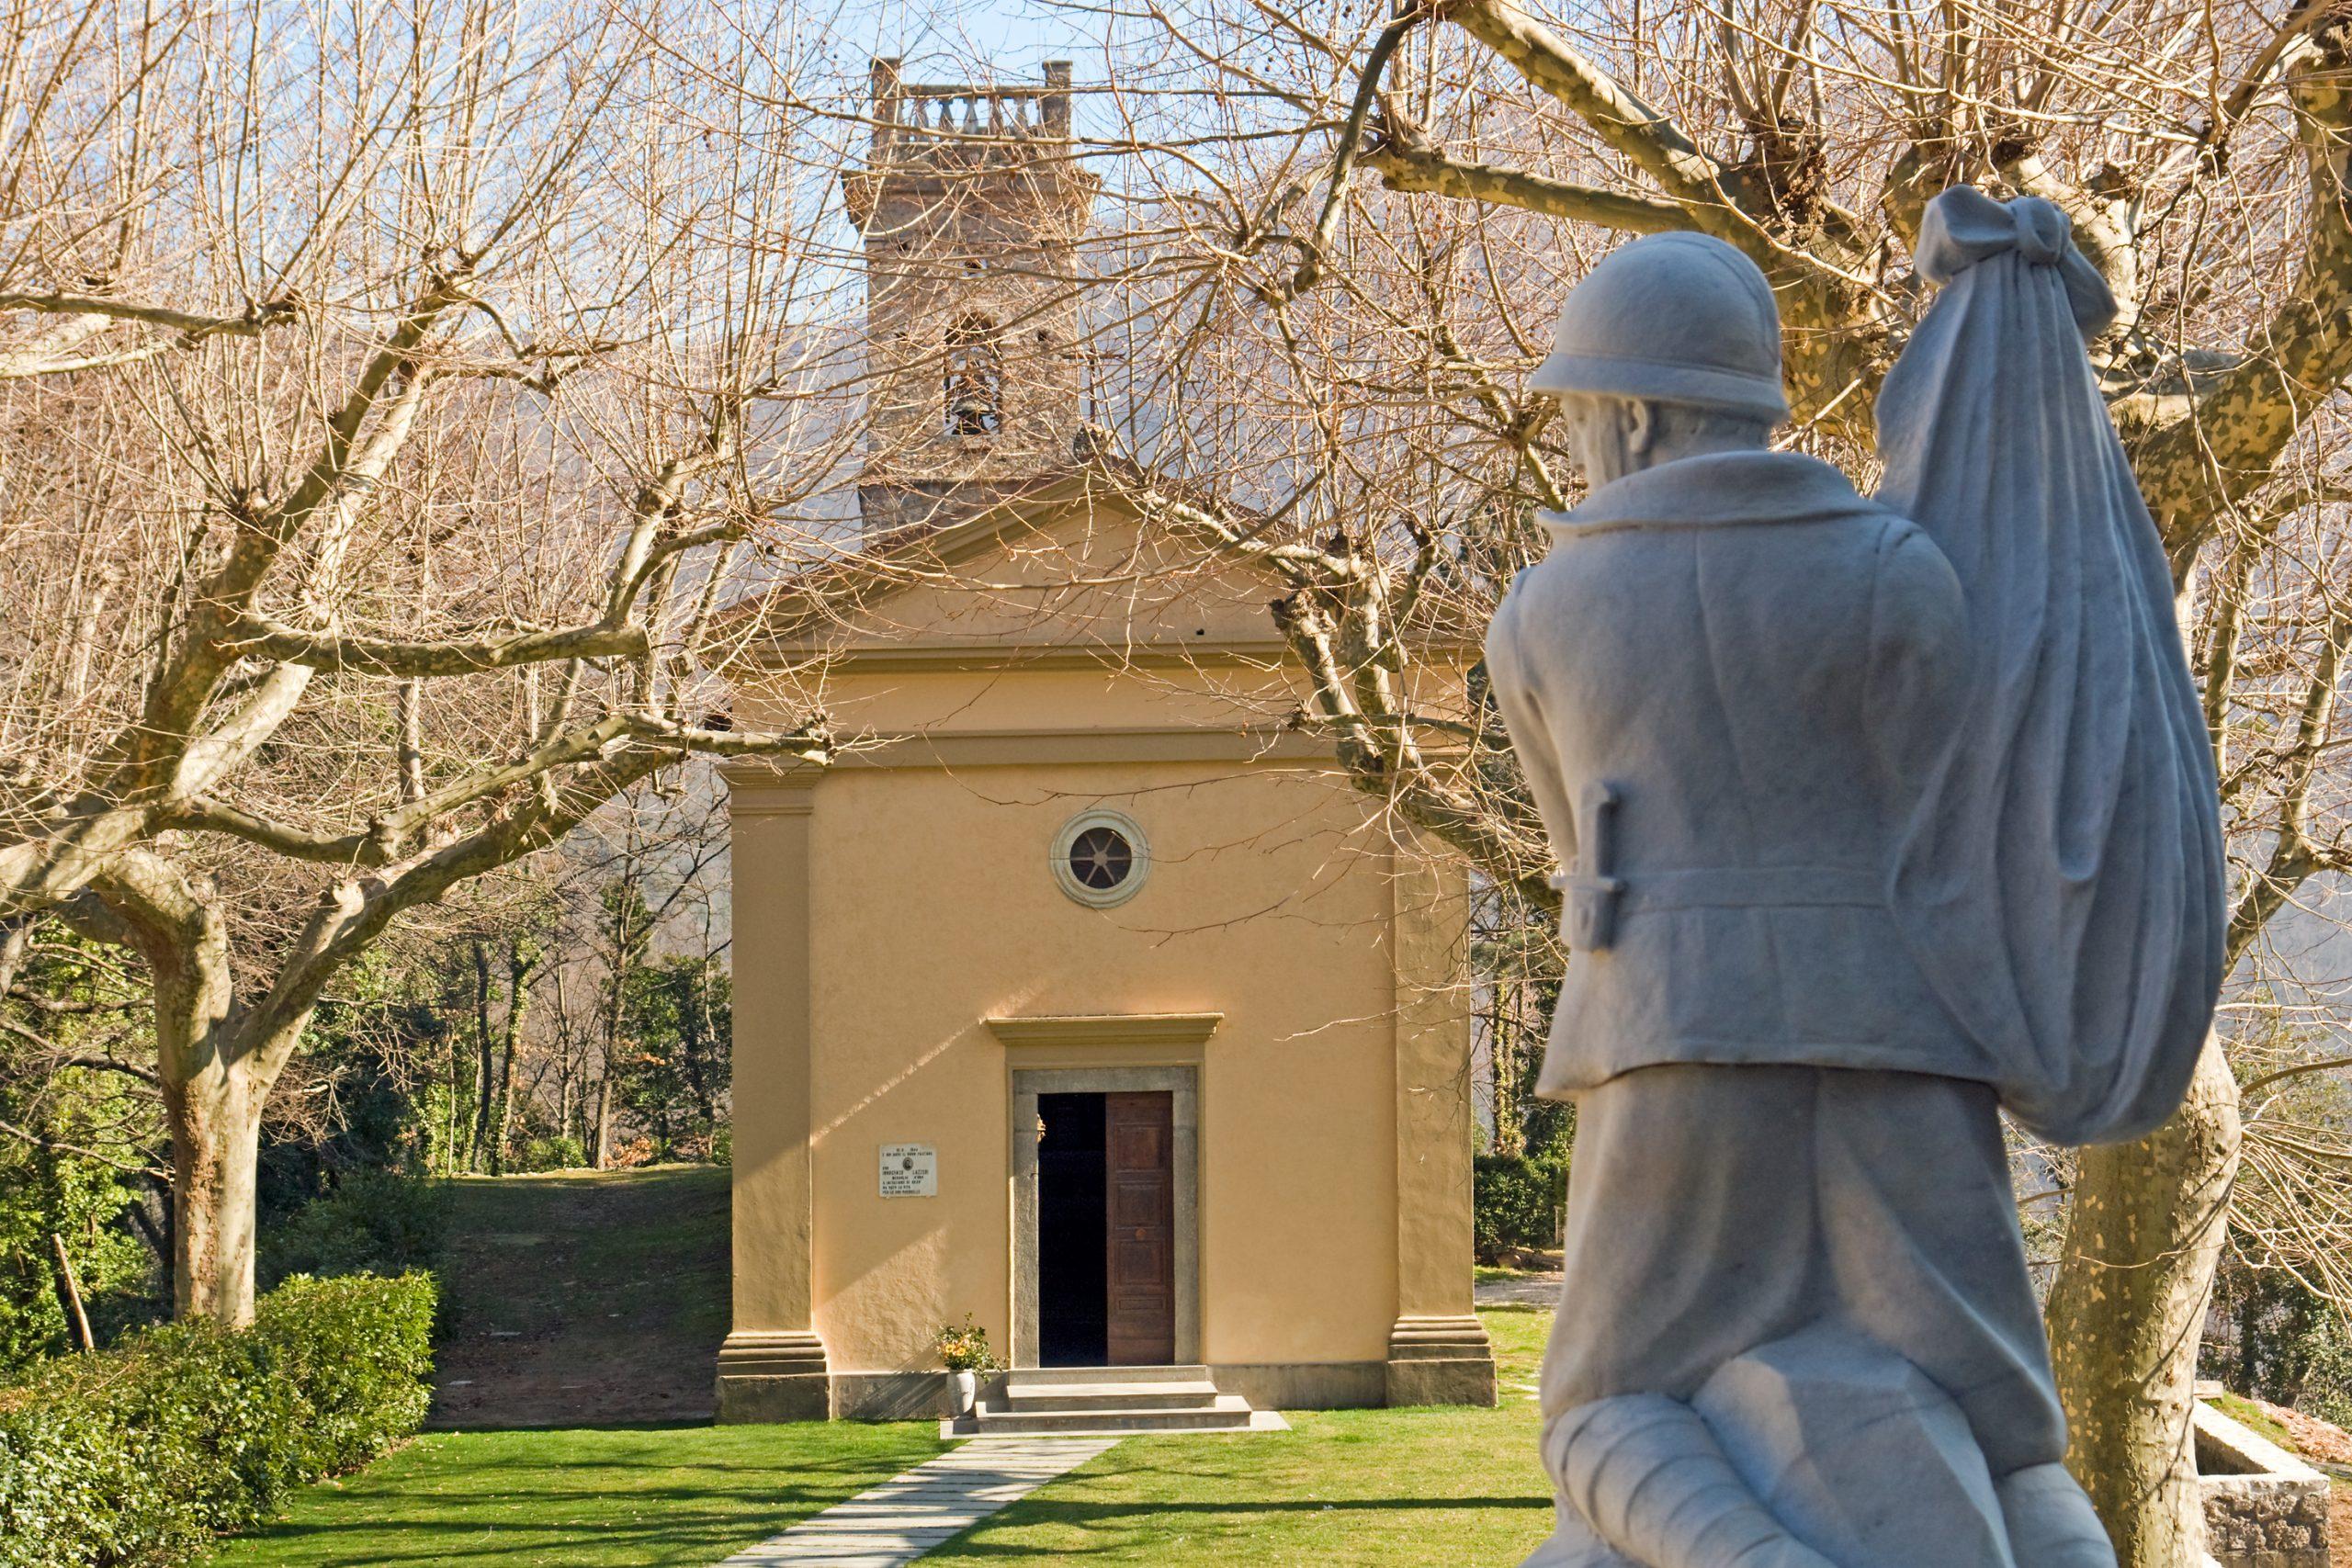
(622, 1498)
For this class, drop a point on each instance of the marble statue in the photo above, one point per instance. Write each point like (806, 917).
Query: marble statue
(1874, 817)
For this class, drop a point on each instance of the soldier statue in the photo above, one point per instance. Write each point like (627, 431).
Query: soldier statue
(1797, 1327)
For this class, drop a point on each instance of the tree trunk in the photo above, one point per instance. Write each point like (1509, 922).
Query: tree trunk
(566, 1092)
(700, 1057)
(69, 1296)
(215, 1123)
(485, 1065)
(518, 1007)
(602, 1151)
(2144, 1235)
(1502, 1064)
(453, 1133)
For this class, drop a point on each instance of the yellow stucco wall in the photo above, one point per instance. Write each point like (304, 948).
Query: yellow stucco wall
(934, 909)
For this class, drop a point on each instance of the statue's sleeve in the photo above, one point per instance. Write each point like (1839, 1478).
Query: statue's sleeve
(1919, 651)
(1532, 740)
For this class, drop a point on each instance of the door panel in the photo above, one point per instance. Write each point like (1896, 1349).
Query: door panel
(1140, 1170)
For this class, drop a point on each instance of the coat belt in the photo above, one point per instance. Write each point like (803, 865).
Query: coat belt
(1748, 887)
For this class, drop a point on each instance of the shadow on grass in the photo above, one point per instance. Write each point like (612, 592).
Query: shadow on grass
(676, 1535)
(682, 1424)
(1120, 1527)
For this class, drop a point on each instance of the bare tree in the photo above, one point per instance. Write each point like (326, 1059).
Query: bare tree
(390, 397)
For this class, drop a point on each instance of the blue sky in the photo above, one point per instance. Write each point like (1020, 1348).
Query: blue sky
(941, 40)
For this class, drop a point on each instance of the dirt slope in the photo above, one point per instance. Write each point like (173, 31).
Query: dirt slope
(584, 1298)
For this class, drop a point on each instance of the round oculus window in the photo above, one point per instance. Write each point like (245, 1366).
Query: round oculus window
(1100, 858)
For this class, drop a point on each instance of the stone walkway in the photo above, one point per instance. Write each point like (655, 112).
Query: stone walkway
(907, 1516)
(1529, 1290)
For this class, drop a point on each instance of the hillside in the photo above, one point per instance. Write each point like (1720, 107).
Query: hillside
(583, 1297)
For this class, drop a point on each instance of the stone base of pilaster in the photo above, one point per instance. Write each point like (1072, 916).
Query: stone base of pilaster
(774, 1375)
(1441, 1360)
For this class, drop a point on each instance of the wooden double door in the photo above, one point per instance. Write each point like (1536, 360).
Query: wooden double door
(1139, 1228)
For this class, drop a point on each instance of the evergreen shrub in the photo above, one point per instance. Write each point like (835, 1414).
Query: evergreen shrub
(1518, 1203)
(551, 1154)
(136, 1456)
(374, 1222)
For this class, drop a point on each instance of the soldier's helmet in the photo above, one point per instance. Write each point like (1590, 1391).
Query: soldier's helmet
(1676, 318)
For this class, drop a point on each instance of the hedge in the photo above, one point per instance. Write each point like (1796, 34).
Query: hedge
(1517, 1201)
(138, 1454)
(373, 1221)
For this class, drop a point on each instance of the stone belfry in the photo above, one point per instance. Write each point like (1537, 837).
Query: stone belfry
(971, 207)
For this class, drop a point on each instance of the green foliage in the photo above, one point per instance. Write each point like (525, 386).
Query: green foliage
(677, 1019)
(69, 1170)
(965, 1348)
(52, 1191)
(136, 1456)
(1518, 1203)
(2326, 1390)
(382, 1014)
(2279, 1340)
(374, 1222)
(551, 1154)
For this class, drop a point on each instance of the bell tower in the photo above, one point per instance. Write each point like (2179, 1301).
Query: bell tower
(971, 206)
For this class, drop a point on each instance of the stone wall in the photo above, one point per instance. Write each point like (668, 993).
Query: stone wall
(2264, 1507)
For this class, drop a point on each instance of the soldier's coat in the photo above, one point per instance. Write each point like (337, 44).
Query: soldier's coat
(1758, 668)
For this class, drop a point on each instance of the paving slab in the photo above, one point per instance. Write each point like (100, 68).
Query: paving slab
(907, 1516)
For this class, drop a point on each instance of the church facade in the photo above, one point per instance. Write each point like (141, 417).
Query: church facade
(1081, 998)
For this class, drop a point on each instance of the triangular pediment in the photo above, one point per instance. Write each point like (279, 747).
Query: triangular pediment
(1065, 569)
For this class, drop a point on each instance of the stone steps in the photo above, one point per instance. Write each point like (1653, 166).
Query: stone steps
(1031, 1399)
(1039, 1377)
(1108, 1401)
(1226, 1413)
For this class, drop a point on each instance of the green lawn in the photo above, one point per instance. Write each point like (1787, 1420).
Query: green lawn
(623, 1497)
(1392, 1487)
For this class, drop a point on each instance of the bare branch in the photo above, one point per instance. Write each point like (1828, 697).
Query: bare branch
(258, 635)
(1413, 165)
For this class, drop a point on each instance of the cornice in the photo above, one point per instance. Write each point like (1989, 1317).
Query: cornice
(757, 788)
(904, 659)
(1147, 1029)
(1012, 747)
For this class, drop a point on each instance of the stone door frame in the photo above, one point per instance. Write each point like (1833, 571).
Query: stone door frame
(1182, 1084)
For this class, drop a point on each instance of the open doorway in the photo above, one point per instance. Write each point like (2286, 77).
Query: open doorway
(1072, 1249)
(1106, 1239)
(1106, 1274)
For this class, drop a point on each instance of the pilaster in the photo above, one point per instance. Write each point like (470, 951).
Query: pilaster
(1438, 1350)
(773, 1366)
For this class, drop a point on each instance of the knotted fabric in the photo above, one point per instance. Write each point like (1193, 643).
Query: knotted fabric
(1964, 226)
(2062, 882)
